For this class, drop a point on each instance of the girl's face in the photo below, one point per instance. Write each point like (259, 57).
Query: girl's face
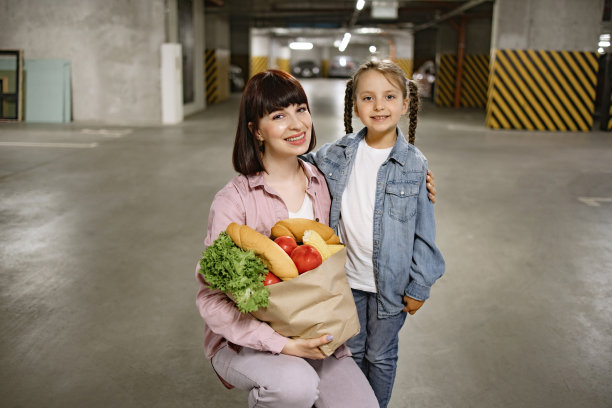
(379, 104)
(285, 132)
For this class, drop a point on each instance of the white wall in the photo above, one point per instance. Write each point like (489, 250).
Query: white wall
(113, 47)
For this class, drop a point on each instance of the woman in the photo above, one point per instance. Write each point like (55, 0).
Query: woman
(274, 128)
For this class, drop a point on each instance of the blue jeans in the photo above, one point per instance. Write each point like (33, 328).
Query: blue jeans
(375, 347)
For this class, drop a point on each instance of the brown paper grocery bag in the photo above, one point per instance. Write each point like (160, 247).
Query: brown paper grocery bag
(315, 303)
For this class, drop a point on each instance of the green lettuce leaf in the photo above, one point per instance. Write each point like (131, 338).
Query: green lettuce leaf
(238, 273)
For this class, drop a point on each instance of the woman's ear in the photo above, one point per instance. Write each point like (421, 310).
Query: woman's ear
(254, 131)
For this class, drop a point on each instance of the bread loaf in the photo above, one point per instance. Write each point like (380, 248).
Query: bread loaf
(273, 256)
(295, 227)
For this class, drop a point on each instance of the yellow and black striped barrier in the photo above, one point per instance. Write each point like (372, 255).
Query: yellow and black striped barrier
(542, 90)
(610, 115)
(212, 78)
(406, 65)
(445, 80)
(258, 64)
(474, 81)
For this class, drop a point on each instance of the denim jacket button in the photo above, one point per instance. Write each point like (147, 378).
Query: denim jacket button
(330, 174)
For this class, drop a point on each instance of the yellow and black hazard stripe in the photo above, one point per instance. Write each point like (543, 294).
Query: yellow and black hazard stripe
(542, 90)
(610, 115)
(445, 80)
(212, 78)
(474, 81)
(406, 65)
(258, 64)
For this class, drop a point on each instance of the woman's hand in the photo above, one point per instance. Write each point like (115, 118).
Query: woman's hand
(307, 348)
(412, 305)
(431, 187)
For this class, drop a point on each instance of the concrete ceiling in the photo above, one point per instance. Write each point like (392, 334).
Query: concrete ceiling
(310, 15)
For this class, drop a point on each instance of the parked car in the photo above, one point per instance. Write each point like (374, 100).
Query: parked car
(306, 69)
(341, 66)
(236, 78)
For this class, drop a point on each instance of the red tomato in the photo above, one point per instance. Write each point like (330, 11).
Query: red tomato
(306, 257)
(271, 279)
(287, 243)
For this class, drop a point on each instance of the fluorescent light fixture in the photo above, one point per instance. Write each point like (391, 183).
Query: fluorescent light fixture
(345, 42)
(300, 45)
(369, 30)
(601, 51)
(360, 4)
(372, 49)
(604, 43)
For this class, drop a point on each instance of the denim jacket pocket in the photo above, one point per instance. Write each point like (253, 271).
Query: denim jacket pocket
(402, 200)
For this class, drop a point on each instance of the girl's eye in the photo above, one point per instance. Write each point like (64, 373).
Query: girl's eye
(390, 96)
(367, 98)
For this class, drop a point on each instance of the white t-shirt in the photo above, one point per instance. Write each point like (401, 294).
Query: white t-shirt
(306, 211)
(357, 216)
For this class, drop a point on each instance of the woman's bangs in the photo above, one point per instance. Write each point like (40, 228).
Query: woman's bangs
(280, 93)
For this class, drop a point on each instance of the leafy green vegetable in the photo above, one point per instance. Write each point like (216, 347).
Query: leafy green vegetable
(238, 273)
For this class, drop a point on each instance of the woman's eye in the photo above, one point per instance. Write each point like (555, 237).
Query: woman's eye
(302, 109)
(278, 116)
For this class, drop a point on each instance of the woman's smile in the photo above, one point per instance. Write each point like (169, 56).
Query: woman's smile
(298, 139)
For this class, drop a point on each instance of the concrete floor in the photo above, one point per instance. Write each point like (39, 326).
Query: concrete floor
(101, 227)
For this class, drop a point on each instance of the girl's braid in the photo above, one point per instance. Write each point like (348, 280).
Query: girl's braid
(348, 107)
(413, 109)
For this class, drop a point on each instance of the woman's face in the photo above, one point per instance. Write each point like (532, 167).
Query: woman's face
(285, 132)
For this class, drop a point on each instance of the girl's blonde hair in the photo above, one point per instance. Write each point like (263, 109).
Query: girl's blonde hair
(395, 75)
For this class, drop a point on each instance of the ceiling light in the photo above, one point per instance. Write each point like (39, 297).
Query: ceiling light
(345, 42)
(300, 45)
(369, 30)
(360, 4)
(372, 49)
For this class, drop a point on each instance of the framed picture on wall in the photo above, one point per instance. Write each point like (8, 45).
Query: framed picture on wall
(11, 84)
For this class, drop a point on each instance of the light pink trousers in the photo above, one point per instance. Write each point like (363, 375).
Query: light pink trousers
(282, 381)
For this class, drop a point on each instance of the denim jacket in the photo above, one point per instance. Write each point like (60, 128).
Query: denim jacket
(405, 257)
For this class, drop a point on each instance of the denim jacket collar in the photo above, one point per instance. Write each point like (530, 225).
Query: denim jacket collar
(399, 153)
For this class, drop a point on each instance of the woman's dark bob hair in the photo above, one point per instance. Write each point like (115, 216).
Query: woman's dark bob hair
(266, 92)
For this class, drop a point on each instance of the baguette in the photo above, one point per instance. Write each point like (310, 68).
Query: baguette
(273, 256)
(295, 227)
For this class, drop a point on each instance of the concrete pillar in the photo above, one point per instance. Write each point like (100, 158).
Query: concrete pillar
(260, 44)
(403, 44)
(325, 61)
(283, 55)
(543, 64)
(546, 24)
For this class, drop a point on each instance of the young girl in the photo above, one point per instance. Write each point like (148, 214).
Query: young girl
(380, 209)
(274, 128)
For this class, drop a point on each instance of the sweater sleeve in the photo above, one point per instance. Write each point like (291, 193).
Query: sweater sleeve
(427, 261)
(218, 311)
